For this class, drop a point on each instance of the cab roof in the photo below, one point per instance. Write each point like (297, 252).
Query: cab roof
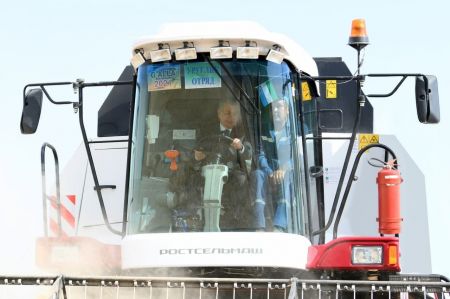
(205, 35)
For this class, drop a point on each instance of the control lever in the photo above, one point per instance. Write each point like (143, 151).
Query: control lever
(172, 155)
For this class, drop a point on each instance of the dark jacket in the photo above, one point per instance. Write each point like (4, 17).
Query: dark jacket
(213, 142)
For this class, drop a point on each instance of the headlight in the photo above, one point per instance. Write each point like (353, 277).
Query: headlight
(367, 255)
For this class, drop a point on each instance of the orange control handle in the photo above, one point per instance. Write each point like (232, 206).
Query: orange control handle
(172, 155)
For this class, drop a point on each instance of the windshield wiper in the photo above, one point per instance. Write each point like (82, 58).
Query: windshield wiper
(249, 99)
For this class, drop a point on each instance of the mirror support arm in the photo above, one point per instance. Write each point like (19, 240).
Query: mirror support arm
(386, 95)
(381, 75)
(42, 86)
(404, 76)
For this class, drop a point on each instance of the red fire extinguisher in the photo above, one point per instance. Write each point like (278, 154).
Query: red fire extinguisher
(389, 180)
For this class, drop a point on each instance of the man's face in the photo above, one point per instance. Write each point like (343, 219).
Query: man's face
(280, 113)
(228, 115)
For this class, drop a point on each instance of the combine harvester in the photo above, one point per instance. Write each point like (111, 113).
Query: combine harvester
(161, 205)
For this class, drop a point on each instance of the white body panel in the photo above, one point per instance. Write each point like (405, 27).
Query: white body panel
(244, 249)
(76, 179)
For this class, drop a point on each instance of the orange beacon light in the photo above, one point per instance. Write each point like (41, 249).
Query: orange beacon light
(358, 36)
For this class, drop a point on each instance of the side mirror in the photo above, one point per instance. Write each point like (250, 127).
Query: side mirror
(427, 99)
(31, 112)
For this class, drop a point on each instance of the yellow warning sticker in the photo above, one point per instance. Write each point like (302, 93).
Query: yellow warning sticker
(306, 93)
(366, 139)
(331, 89)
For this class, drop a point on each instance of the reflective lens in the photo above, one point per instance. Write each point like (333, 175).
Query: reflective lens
(160, 55)
(247, 52)
(367, 254)
(185, 54)
(275, 56)
(137, 60)
(221, 52)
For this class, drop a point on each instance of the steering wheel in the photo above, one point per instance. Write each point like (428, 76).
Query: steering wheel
(217, 148)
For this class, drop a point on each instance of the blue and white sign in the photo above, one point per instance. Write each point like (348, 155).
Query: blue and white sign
(164, 77)
(201, 75)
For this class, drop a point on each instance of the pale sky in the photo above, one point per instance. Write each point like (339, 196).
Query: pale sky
(64, 40)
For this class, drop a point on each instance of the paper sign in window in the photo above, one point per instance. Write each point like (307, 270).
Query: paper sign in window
(164, 77)
(202, 75)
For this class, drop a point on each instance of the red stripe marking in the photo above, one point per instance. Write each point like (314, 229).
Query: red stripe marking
(55, 229)
(65, 214)
(72, 198)
(51, 198)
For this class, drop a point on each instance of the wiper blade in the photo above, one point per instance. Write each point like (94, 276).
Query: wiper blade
(249, 99)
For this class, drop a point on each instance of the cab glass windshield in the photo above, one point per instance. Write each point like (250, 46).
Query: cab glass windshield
(215, 148)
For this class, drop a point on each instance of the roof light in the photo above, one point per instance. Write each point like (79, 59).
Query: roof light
(275, 54)
(358, 36)
(366, 255)
(186, 53)
(221, 52)
(138, 59)
(247, 52)
(162, 54)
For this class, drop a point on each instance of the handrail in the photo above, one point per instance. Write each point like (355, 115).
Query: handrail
(44, 191)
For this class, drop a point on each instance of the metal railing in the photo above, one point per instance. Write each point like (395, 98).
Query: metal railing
(216, 288)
